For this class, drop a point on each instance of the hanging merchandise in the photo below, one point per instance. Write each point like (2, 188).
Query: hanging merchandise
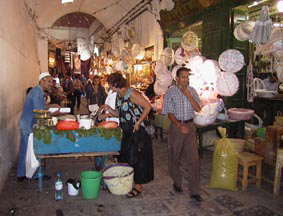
(163, 78)
(244, 30)
(67, 56)
(174, 71)
(195, 62)
(231, 60)
(121, 66)
(136, 49)
(189, 41)
(167, 5)
(227, 84)
(180, 56)
(210, 71)
(83, 50)
(249, 84)
(167, 56)
(279, 71)
(263, 27)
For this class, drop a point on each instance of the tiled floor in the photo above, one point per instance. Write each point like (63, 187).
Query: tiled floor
(158, 199)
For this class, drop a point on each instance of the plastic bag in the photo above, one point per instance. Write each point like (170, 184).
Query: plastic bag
(31, 162)
(225, 166)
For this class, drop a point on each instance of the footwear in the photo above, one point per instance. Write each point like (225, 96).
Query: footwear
(21, 178)
(196, 197)
(134, 193)
(177, 189)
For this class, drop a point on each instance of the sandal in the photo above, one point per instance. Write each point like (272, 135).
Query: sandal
(134, 193)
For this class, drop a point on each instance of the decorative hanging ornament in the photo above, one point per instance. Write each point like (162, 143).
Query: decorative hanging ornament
(227, 84)
(263, 27)
(167, 5)
(167, 56)
(243, 31)
(189, 41)
(231, 60)
(210, 71)
(194, 63)
(180, 56)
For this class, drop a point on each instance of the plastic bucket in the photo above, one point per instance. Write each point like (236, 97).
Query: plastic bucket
(90, 184)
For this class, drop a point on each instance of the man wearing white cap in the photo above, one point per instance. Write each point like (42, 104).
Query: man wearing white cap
(34, 100)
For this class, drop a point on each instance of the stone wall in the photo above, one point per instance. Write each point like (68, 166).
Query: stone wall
(19, 69)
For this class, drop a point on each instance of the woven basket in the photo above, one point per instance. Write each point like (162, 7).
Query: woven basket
(119, 178)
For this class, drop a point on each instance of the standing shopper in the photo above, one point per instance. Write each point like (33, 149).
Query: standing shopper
(132, 108)
(78, 90)
(180, 103)
(34, 100)
(95, 92)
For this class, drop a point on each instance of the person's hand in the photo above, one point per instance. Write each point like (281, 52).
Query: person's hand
(137, 126)
(104, 108)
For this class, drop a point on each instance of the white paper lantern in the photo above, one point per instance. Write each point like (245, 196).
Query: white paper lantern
(227, 84)
(210, 71)
(194, 63)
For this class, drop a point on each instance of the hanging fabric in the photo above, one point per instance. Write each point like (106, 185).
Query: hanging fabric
(250, 87)
(263, 27)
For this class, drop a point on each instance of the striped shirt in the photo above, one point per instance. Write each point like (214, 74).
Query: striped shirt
(177, 103)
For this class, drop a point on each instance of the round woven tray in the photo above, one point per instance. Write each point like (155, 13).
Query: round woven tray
(231, 60)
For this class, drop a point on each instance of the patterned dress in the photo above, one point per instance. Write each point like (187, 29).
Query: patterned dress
(136, 147)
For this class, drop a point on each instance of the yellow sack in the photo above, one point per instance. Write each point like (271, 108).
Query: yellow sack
(224, 166)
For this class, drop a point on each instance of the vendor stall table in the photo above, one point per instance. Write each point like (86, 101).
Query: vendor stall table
(235, 129)
(50, 143)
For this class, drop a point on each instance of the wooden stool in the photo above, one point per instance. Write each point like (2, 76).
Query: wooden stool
(278, 171)
(248, 160)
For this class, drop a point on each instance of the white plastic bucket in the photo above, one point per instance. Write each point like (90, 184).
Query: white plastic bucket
(72, 191)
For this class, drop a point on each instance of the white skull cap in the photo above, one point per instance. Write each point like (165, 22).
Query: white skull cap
(43, 75)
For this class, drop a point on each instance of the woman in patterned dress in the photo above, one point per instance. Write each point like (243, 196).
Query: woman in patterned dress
(132, 108)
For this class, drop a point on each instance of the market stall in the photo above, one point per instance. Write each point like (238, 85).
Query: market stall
(53, 143)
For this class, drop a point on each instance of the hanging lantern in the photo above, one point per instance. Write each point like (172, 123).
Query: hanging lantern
(67, 56)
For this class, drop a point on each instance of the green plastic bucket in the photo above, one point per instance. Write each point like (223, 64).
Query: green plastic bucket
(260, 132)
(90, 183)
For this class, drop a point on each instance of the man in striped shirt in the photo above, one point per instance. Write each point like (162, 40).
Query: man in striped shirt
(180, 103)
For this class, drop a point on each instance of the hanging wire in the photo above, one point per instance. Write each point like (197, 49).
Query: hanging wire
(106, 7)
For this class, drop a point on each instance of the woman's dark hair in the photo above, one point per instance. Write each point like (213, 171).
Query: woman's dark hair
(117, 80)
(178, 72)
